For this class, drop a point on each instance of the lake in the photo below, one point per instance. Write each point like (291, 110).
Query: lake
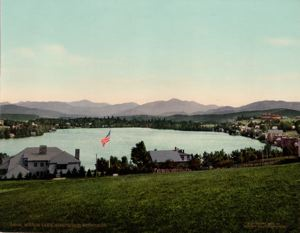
(123, 139)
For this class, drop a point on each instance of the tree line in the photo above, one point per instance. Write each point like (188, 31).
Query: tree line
(40, 126)
(141, 162)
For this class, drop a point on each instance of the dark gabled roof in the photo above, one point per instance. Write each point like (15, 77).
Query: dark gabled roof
(53, 155)
(32, 153)
(161, 156)
(63, 158)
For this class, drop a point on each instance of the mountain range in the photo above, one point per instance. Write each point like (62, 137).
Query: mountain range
(157, 108)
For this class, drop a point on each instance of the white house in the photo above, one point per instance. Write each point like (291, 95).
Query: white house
(39, 161)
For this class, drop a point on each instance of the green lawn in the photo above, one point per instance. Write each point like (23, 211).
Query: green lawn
(263, 199)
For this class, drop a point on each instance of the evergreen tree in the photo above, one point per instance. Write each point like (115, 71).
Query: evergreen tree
(74, 173)
(89, 173)
(102, 165)
(20, 176)
(68, 174)
(81, 171)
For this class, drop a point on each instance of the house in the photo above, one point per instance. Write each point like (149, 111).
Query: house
(176, 155)
(290, 143)
(40, 162)
(272, 134)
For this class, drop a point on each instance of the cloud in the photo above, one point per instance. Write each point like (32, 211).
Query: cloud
(282, 41)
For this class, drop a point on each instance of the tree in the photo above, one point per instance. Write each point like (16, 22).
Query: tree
(102, 165)
(267, 149)
(81, 172)
(74, 173)
(140, 157)
(20, 176)
(169, 164)
(68, 174)
(297, 126)
(195, 163)
(236, 156)
(285, 125)
(89, 173)
(124, 162)
(28, 176)
(115, 164)
(2, 156)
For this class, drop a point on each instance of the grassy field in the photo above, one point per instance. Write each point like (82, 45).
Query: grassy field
(261, 199)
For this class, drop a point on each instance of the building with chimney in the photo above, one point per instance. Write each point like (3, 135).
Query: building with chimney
(40, 162)
(177, 155)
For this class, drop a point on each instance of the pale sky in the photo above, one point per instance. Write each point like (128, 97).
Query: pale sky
(229, 52)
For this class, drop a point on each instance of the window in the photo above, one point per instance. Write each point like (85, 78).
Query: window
(61, 166)
(35, 164)
(25, 162)
(42, 164)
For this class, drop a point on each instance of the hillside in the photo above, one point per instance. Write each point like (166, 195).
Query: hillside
(15, 109)
(219, 118)
(170, 107)
(257, 106)
(80, 108)
(223, 200)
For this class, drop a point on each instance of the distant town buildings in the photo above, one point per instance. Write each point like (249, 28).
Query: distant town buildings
(270, 116)
(277, 138)
(273, 133)
(39, 162)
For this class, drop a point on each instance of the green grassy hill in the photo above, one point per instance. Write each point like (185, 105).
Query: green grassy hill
(263, 199)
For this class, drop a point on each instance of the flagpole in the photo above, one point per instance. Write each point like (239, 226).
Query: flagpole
(96, 163)
(109, 165)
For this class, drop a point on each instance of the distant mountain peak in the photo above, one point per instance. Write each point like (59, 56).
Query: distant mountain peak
(172, 106)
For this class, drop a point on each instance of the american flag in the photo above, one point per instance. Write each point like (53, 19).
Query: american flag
(105, 139)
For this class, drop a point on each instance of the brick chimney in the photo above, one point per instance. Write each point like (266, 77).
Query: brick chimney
(43, 150)
(77, 154)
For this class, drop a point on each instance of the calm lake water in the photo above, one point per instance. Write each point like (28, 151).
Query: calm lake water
(123, 139)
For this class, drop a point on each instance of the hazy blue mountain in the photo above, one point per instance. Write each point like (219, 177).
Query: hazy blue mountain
(14, 109)
(56, 106)
(220, 110)
(87, 103)
(257, 106)
(81, 108)
(172, 106)
(117, 109)
(156, 108)
(270, 104)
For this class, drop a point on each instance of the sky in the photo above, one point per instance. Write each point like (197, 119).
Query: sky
(229, 52)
